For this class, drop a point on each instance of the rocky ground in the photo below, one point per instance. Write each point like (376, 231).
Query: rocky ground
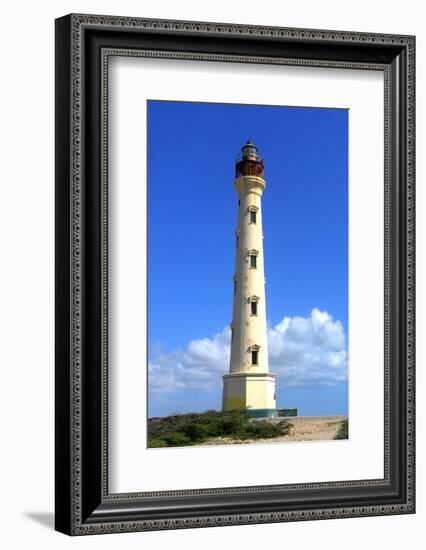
(303, 428)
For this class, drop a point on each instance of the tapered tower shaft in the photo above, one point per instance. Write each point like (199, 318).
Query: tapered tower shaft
(249, 383)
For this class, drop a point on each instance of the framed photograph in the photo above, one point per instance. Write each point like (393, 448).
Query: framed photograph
(234, 274)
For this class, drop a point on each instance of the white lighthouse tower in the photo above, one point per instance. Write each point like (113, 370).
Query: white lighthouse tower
(249, 384)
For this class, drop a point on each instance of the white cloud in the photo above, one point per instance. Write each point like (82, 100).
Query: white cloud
(200, 366)
(302, 351)
(308, 350)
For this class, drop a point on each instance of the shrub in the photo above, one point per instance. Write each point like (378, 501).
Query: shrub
(343, 432)
(194, 428)
(176, 439)
(231, 423)
(196, 432)
(259, 430)
(154, 443)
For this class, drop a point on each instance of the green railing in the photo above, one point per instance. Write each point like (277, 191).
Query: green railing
(287, 412)
(271, 413)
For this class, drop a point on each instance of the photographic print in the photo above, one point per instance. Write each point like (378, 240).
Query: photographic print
(234, 273)
(247, 274)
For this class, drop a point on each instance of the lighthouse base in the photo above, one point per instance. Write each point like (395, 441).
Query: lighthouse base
(244, 390)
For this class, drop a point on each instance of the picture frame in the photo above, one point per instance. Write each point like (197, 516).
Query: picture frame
(84, 44)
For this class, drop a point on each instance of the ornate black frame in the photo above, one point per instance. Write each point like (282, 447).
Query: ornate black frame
(83, 45)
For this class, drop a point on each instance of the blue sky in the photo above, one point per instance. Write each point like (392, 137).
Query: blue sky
(192, 215)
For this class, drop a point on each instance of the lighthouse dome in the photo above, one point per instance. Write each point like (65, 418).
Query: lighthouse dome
(250, 151)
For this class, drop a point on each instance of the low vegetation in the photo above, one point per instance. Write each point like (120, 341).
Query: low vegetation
(343, 432)
(194, 428)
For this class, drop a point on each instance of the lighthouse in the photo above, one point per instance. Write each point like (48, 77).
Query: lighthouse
(249, 384)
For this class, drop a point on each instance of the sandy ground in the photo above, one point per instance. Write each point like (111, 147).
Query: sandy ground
(303, 428)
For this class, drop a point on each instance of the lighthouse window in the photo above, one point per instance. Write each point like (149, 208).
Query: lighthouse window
(235, 287)
(237, 241)
(253, 306)
(253, 261)
(253, 216)
(254, 357)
